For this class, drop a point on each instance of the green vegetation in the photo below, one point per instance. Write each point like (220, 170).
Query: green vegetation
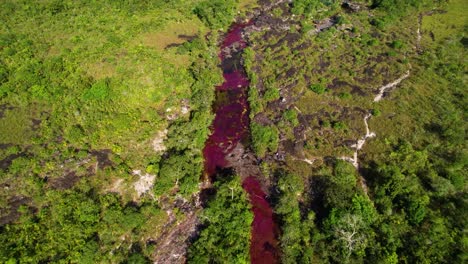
(310, 8)
(76, 227)
(406, 203)
(296, 240)
(264, 138)
(105, 107)
(216, 13)
(397, 8)
(376, 112)
(345, 95)
(226, 232)
(339, 125)
(88, 91)
(291, 116)
(272, 93)
(318, 88)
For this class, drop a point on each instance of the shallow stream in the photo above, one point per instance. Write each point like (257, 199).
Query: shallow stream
(229, 128)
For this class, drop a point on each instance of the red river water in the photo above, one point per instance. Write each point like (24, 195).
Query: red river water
(230, 126)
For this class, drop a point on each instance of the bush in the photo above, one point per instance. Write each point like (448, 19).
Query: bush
(325, 123)
(271, 94)
(340, 20)
(376, 112)
(216, 13)
(255, 103)
(318, 88)
(304, 7)
(339, 125)
(379, 23)
(227, 219)
(291, 116)
(391, 53)
(396, 8)
(397, 44)
(98, 92)
(345, 95)
(264, 138)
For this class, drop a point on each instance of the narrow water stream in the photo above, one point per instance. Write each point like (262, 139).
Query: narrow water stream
(229, 128)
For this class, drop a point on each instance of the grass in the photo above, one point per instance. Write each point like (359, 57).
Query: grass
(15, 127)
(175, 32)
(425, 92)
(445, 25)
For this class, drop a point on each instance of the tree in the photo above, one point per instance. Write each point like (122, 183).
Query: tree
(264, 138)
(216, 13)
(226, 219)
(349, 230)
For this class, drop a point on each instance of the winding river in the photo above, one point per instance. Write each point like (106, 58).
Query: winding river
(231, 127)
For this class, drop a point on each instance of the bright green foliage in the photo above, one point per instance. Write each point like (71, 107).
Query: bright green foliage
(271, 91)
(226, 233)
(264, 138)
(98, 91)
(86, 85)
(248, 57)
(305, 7)
(216, 13)
(397, 44)
(296, 238)
(396, 7)
(291, 116)
(376, 112)
(400, 192)
(271, 94)
(318, 88)
(255, 103)
(364, 207)
(339, 125)
(341, 186)
(74, 227)
(345, 95)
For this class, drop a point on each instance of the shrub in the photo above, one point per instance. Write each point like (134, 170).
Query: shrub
(345, 95)
(340, 20)
(391, 53)
(397, 44)
(216, 13)
(318, 88)
(376, 112)
(326, 123)
(264, 138)
(373, 42)
(255, 104)
(379, 23)
(291, 116)
(98, 91)
(271, 94)
(304, 7)
(339, 125)
(227, 219)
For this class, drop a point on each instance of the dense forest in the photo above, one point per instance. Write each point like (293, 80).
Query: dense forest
(357, 132)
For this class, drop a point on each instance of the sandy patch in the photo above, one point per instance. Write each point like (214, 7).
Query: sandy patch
(144, 183)
(158, 141)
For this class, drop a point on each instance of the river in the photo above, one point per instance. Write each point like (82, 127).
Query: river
(231, 127)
